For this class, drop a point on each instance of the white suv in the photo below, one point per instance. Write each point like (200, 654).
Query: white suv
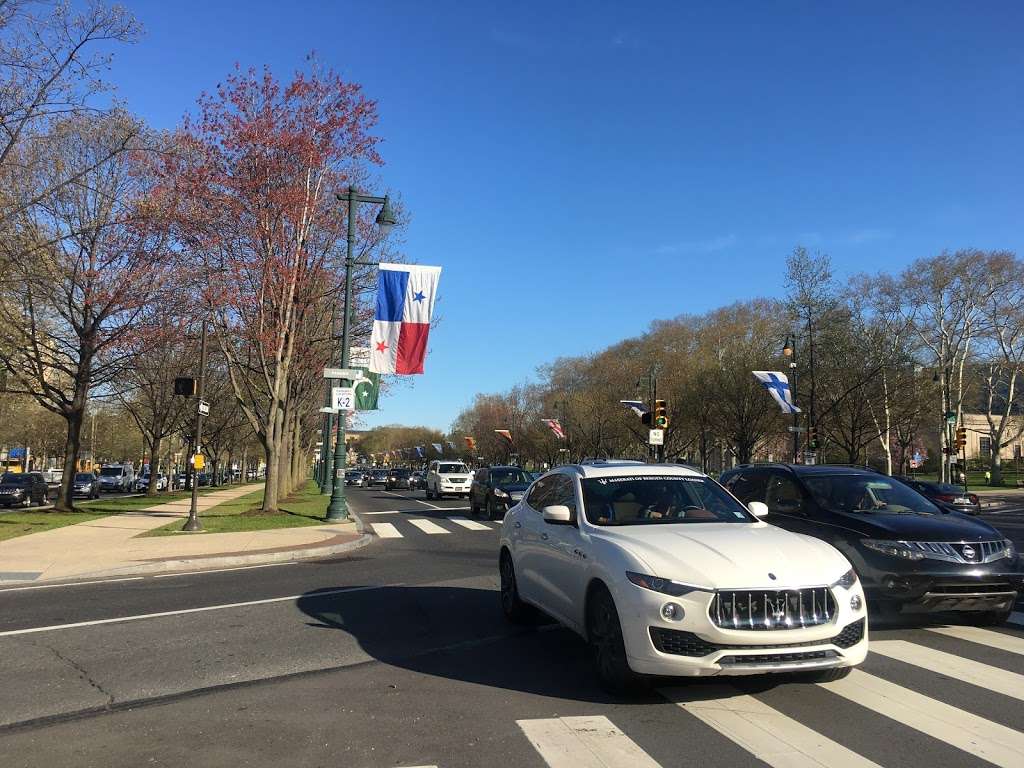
(664, 572)
(451, 477)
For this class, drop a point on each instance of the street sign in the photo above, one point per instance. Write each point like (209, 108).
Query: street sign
(328, 410)
(204, 408)
(656, 437)
(810, 458)
(359, 356)
(951, 417)
(343, 398)
(198, 461)
(342, 373)
(796, 429)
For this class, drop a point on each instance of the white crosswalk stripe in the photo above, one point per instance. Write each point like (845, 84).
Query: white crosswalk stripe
(428, 527)
(769, 735)
(386, 530)
(973, 672)
(980, 737)
(584, 742)
(472, 525)
(983, 637)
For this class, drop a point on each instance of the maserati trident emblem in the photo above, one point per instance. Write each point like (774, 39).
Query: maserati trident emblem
(777, 608)
(969, 553)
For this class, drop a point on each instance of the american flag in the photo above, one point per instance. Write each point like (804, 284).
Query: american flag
(505, 433)
(555, 426)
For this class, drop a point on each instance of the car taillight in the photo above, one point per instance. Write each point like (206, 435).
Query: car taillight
(973, 498)
(945, 497)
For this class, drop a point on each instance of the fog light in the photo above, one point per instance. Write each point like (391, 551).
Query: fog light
(672, 612)
(855, 602)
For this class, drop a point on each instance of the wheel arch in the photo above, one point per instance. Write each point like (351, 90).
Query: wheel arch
(595, 585)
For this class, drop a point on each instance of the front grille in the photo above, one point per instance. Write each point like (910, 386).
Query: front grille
(779, 658)
(772, 609)
(965, 552)
(681, 643)
(972, 589)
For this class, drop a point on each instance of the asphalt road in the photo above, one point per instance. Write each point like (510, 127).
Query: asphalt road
(397, 655)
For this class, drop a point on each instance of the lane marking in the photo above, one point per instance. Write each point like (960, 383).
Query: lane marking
(975, 735)
(766, 733)
(973, 672)
(221, 570)
(472, 525)
(428, 527)
(72, 584)
(584, 742)
(386, 530)
(983, 637)
(418, 501)
(184, 611)
(389, 512)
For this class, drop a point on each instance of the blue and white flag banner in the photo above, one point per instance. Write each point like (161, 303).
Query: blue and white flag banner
(438, 447)
(419, 451)
(777, 384)
(637, 406)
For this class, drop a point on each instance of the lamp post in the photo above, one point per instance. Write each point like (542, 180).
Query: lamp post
(193, 524)
(789, 352)
(337, 509)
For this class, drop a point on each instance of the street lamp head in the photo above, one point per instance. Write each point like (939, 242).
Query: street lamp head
(386, 217)
(787, 350)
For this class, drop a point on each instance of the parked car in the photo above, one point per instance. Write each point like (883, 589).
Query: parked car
(417, 480)
(22, 489)
(910, 555)
(378, 477)
(945, 495)
(85, 485)
(495, 489)
(398, 479)
(664, 573)
(355, 477)
(117, 477)
(142, 484)
(447, 477)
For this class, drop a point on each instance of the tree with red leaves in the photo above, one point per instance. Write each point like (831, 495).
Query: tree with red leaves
(258, 169)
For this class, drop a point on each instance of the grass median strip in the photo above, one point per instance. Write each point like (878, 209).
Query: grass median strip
(304, 507)
(17, 524)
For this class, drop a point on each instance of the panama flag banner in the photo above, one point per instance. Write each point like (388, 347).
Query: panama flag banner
(777, 385)
(405, 305)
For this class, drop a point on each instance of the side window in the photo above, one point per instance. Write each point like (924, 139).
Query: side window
(749, 485)
(784, 496)
(540, 493)
(564, 492)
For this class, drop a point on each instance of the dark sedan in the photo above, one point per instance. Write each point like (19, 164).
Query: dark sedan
(21, 489)
(377, 477)
(910, 555)
(355, 477)
(85, 486)
(952, 497)
(495, 489)
(399, 479)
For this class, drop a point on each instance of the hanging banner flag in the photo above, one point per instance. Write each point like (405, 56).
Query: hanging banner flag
(438, 447)
(555, 426)
(778, 387)
(451, 444)
(367, 390)
(470, 442)
(637, 406)
(401, 325)
(419, 451)
(505, 433)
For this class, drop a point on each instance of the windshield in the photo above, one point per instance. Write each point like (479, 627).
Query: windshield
(448, 469)
(510, 477)
(84, 477)
(653, 499)
(866, 494)
(12, 479)
(400, 473)
(380, 473)
(112, 471)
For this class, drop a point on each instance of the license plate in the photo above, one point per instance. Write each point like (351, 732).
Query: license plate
(961, 500)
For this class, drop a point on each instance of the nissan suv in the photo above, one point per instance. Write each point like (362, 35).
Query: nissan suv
(909, 554)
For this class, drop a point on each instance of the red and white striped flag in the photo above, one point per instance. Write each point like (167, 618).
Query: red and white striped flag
(555, 426)
(505, 433)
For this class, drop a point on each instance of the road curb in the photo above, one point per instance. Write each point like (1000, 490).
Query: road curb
(214, 562)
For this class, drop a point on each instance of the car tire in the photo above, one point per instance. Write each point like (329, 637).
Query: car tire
(823, 675)
(992, 618)
(607, 648)
(26, 502)
(512, 606)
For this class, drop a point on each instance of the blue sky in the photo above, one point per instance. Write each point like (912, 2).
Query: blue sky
(581, 169)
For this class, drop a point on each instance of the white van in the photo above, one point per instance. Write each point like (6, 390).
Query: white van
(117, 477)
(451, 477)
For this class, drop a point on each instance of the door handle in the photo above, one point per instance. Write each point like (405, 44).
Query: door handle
(544, 536)
(518, 524)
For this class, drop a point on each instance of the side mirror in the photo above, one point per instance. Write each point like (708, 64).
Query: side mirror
(758, 509)
(557, 514)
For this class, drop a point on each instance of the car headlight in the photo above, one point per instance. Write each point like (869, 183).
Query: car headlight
(893, 548)
(1009, 552)
(847, 580)
(500, 493)
(665, 586)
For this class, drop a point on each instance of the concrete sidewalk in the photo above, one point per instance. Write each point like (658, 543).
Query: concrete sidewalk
(111, 545)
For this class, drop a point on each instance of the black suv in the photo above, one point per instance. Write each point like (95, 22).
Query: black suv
(22, 489)
(398, 478)
(495, 489)
(910, 554)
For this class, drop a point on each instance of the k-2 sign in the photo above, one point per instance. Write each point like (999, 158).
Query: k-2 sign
(343, 398)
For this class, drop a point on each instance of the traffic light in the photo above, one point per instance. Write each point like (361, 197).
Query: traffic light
(961, 437)
(183, 385)
(812, 438)
(647, 418)
(660, 415)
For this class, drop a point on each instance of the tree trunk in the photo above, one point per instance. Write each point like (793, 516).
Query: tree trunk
(996, 465)
(74, 418)
(154, 466)
(271, 488)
